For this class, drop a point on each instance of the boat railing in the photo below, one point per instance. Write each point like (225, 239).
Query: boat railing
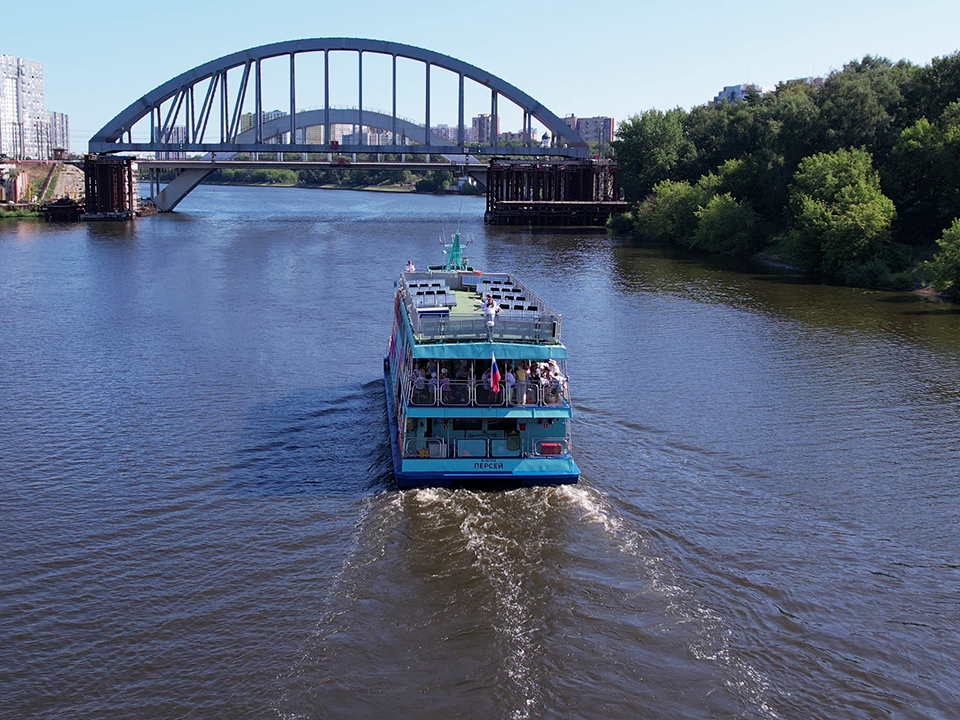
(551, 447)
(422, 393)
(531, 322)
(485, 395)
(511, 445)
(425, 447)
(457, 393)
(517, 326)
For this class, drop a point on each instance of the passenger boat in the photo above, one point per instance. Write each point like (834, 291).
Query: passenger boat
(454, 417)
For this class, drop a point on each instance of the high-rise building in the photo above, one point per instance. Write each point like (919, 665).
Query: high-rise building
(594, 129)
(447, 132)
(739, 93)
(485, 130)
(246, 121)
(530, 137)
(59, 131)
(178, 136)
(24, 131)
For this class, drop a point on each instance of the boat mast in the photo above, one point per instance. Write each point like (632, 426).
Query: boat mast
(455, 259)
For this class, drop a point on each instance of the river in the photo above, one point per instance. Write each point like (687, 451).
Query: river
(199, 518)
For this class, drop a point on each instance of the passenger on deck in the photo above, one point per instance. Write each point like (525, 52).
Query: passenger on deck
(509, 380)
(521, 375)
(410, 267)
(490, 310)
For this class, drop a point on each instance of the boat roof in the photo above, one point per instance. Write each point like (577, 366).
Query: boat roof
(444, 307)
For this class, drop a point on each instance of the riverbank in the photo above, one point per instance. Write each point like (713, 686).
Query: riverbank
(19, 211)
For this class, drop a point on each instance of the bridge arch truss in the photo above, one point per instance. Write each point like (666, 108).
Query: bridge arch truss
(204, 109)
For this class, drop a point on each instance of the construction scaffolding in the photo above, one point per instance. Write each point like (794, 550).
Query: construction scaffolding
(582, 194)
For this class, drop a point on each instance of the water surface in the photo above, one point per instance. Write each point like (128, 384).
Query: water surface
(200, 519)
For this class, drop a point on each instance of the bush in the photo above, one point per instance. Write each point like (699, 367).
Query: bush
(726, 226)
(945, 265)
(670, 213)
(841, 217)
(620, 224)
(871, 274)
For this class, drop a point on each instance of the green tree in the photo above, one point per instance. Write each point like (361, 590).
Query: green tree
(860, 104)
(727, 226)
(946, 263)
(651, 148)
(930, 89)
(793, 125)
(922, 176)
(841, 217)
(670, 211)
(719, 132)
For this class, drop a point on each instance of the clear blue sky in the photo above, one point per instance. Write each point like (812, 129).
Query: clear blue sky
(616, 58)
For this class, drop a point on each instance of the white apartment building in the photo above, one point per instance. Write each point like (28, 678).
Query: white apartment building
(600, 129)
(59, 130)
(24, 126)
(738, 93)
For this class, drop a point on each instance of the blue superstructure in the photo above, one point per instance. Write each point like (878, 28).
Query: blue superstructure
(450, 422)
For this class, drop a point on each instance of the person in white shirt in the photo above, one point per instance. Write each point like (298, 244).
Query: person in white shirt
(490, 310)
(410, 267)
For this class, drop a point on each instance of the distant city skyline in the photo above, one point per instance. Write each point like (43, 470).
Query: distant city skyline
(629, 58)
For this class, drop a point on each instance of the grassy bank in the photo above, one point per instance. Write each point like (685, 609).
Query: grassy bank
(19, 213)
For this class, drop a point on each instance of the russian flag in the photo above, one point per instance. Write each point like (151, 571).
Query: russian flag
(494, 373)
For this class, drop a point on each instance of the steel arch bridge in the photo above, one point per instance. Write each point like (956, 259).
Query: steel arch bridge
(200, 111)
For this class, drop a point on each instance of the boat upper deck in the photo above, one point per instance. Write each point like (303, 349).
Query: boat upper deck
(445, 306)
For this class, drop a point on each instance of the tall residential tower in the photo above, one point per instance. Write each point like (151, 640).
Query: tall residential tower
(27, 130)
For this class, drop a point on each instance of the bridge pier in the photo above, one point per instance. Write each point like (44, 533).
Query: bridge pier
(580, 194)
(178, 188)
(111, 188)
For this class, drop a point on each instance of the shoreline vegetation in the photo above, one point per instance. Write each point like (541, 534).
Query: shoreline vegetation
(854, 177)
(4, 214)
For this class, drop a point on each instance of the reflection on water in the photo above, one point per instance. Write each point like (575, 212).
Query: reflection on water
(195, 482)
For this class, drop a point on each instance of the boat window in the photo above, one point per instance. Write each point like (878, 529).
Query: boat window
(467, 424)
(502, 425)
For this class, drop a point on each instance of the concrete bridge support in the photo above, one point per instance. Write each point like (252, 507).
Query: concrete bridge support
(178, 188)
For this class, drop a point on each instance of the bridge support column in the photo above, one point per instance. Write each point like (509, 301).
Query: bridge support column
(111, 186)
(565, 194)
(168, 198)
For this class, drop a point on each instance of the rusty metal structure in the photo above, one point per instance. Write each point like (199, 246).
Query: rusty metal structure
(581, 194)
(111, 187)
(62, 210)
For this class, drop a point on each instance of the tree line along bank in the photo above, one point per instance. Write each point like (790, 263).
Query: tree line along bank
(857, 177)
